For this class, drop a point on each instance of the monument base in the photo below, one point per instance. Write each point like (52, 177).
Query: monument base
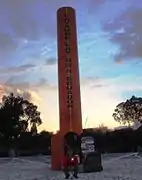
(90, 163)
(56, 151)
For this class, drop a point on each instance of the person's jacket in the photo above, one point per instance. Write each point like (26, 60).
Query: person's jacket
(70, 161)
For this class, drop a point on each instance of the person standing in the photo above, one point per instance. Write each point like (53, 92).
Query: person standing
(70, 163)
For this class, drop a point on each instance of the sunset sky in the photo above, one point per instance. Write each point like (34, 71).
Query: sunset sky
(110, 54)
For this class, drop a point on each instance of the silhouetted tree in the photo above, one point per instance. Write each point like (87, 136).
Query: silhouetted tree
(101, 128)
(129, 112)
(16, 114)
(45, 139)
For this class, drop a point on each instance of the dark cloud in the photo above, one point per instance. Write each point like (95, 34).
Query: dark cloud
(118, 60)
(126, 31)
(17, 89)
(94, 6)
(19, 20)
(28, 19)
(18, 69)
(27, 95)
(25, 89)
(42, 82)
(95, 82)
(15, 82)
(50, 61)
(100, 85)
(6, 42)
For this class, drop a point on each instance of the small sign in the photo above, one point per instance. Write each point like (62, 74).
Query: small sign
(87, 145)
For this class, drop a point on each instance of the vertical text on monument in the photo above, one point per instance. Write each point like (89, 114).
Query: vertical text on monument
(68, 61)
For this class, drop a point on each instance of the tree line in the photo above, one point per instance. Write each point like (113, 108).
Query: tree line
(128, 139)
(116, 141)
(19, 121)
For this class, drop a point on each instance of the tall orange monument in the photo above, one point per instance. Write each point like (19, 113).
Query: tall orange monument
(68, 81)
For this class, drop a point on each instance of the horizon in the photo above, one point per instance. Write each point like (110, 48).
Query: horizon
(109, 50)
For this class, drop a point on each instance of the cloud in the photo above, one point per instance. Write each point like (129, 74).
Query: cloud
(44, 84)
(18, 69)
(25, 90)
(16, 82)
(119, 61)
(99, 97)
(98, 103)
(95, 82)
(29, 95)
(25, 93)
(28, 19)
(26, 27)
(94, 6)
(51, 61)
(32, 20)
(23, 22)
(42, 94)
(124, 82)
(6, 42)
(126, 31)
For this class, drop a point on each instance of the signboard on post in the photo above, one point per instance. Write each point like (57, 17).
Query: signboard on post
(87, 145)
(91, 158)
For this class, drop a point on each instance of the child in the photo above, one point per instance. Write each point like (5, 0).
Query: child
(70, 162)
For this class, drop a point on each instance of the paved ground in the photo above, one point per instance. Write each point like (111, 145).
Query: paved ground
(116, 167)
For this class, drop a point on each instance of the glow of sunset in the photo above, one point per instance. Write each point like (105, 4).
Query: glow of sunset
(110, 53)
